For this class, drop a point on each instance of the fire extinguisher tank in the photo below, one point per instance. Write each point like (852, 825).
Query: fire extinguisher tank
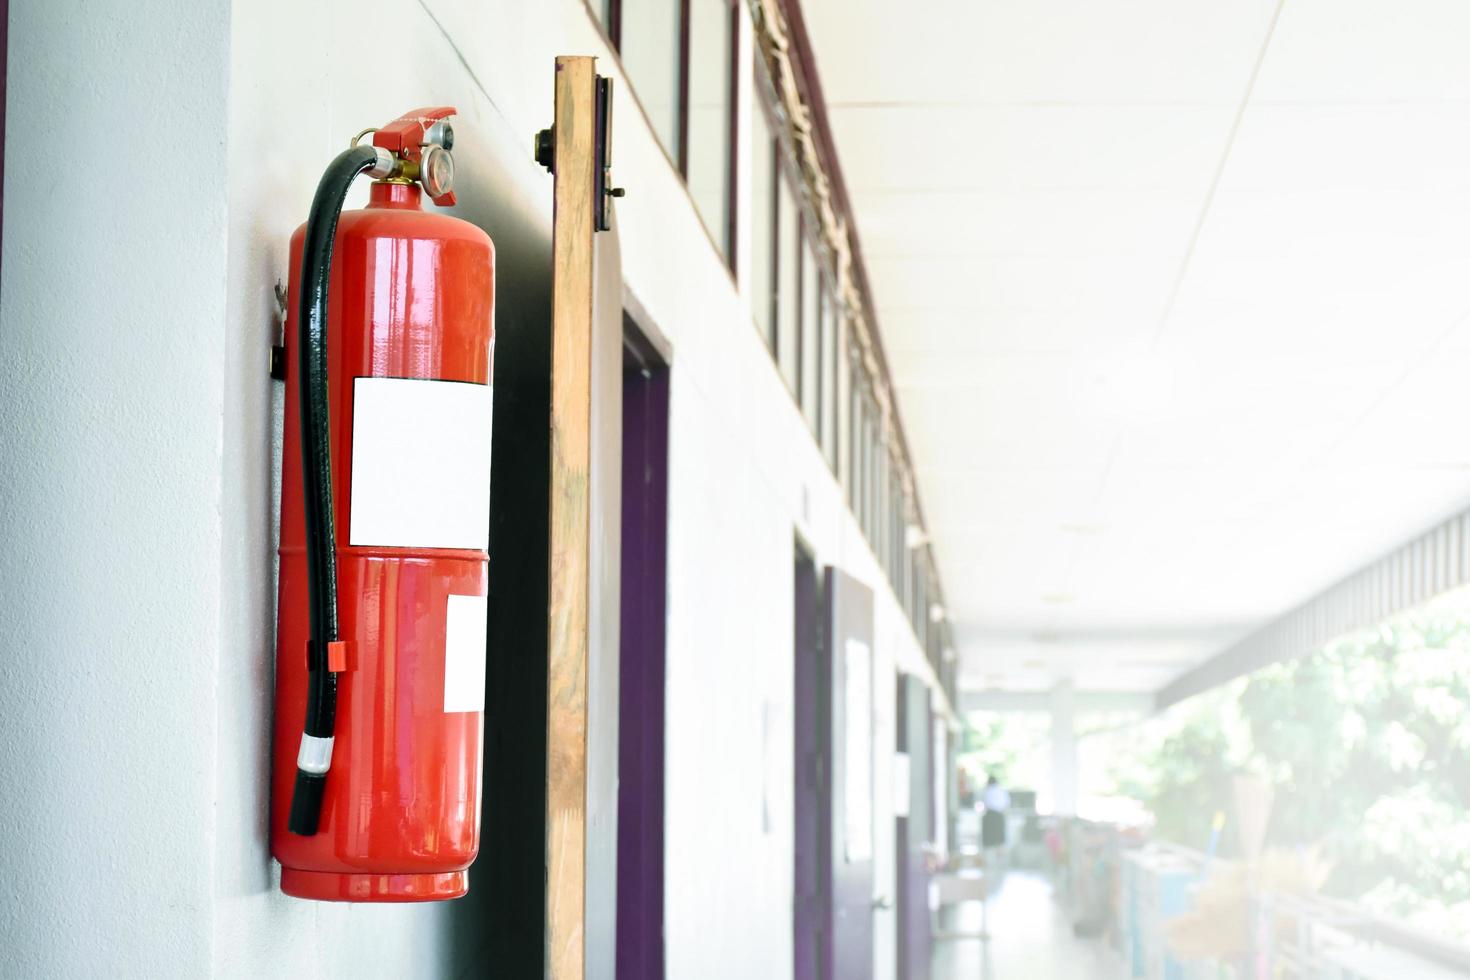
(410, 341)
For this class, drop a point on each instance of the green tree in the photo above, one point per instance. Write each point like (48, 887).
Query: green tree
(1366, 745)
(1000, 744)
(1191, 781)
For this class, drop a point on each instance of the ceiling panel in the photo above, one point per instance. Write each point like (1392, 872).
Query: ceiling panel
(1130, 147)
(1048, 221)
(1172, 352)
(1415, 426)
(1108, 284)
(1367, 51)
(1059, 51)
(980, 328)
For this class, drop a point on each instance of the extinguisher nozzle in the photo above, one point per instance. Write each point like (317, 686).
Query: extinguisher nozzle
(306, 803)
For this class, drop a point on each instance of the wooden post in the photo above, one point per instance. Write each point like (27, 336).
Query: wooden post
(584, 514)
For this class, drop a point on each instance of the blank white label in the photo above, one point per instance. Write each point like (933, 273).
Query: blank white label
(902, 787)
(420, 463)
(858, 775)
(464, 653)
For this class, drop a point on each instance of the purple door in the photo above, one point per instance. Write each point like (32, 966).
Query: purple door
(640, 923)
(812, 811)
(849, 655)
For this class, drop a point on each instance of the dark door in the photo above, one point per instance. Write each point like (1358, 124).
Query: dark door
(914, 826)
(849, 652)
(4, 57)
(812, 764)
(640, 925)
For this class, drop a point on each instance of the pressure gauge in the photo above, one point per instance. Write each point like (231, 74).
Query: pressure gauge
(436, 170)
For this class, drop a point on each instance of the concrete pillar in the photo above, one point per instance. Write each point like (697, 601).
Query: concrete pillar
(1064, 749)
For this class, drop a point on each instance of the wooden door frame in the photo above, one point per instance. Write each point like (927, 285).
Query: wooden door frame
(584, 539)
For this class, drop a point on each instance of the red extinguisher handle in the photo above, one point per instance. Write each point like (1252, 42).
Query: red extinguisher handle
(423, 138)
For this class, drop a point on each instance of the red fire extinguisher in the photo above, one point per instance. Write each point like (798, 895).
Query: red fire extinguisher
(384, 531)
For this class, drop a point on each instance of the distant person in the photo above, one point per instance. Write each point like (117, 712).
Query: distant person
(993, 824)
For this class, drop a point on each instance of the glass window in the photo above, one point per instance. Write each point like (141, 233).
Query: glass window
(854, 439)
(870, 511)
(884, 513)
(921, 603)
(809, 353)
(861, 474)
(648, 35)
(788, 232)
(908, 585)
(827, 384)
(880, 474)
(924, 600)
(895, 535)
(875, 506)
(707, 164)
(880, 507)
(854, 430)
(900, 538)
(843, 421)
(763, 225)
(865, 466)
(865, 461)
(918, 599)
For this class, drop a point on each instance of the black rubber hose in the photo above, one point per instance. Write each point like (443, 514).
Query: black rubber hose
(316, 470)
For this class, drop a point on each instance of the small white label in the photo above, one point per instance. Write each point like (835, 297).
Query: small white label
(902, 788)
(420, 463)
(464, 653)
(858, 776)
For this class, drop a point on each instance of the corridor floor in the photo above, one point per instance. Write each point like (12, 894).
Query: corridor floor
(1030, 939)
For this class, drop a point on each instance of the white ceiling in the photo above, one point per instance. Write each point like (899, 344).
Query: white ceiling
(1176, 294)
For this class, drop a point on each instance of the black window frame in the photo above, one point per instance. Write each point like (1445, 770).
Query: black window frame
(772, 221)
(847, 426)
(609, 15)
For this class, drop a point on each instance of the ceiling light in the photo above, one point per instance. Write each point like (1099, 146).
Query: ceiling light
(936, 613)
(1082, 529)
(1058, 598)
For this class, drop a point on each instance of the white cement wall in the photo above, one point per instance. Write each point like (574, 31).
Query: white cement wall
(112, 352)
(138, 593)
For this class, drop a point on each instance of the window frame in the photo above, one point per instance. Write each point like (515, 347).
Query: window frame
(608, 14)
(833, 324)
(845, 424)
(809, 325)
(788, 235)
(772, 222)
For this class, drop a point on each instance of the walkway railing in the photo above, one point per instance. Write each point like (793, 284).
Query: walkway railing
(1150, 901)
(1324, 937)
